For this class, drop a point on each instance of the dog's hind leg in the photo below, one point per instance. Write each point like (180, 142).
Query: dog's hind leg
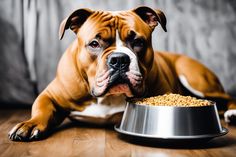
(203, 83)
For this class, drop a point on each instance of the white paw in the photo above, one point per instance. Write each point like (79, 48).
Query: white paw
(230, 115)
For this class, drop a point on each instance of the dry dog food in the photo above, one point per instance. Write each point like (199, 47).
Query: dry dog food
(173, 100)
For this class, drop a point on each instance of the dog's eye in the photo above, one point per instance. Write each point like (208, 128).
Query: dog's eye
(94, 44)
(138, 43)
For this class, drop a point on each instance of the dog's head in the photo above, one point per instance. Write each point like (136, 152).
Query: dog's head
(115, 50)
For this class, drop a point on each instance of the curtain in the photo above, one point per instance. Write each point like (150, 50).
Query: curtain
(30, 48)
(16, 86)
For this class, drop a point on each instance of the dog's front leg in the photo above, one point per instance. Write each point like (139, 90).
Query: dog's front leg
(45, 115)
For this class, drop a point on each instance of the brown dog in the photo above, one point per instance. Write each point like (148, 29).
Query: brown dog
(113, 59)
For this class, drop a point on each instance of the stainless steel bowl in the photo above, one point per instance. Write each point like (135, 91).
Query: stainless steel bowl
(167, 122)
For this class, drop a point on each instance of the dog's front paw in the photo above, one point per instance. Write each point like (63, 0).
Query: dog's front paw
(27, 131)
(230, 116)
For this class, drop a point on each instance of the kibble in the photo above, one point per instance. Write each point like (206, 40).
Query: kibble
(172, 100)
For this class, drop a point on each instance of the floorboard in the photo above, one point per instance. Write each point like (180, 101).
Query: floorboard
(74, 139)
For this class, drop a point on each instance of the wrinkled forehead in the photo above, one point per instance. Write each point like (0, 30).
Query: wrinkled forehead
(106, 23)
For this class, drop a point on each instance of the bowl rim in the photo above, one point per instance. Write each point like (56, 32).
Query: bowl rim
(212, 103)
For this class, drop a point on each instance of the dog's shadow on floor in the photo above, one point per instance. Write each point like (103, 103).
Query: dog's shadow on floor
(219, 142)
(76, 124)
(69, 124)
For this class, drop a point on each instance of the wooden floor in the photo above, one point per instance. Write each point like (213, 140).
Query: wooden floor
(82, 140)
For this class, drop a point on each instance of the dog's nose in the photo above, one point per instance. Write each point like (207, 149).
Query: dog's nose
(118, 60)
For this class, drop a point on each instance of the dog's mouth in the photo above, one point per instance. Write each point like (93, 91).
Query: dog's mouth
(115, 82)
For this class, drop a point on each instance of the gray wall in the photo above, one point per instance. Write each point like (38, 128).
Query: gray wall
(30, 49)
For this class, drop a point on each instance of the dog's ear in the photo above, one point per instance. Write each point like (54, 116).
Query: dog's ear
(151, 17)
(74, 21)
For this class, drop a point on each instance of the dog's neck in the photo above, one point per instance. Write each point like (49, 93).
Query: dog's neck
(103, 111)
(155, 86)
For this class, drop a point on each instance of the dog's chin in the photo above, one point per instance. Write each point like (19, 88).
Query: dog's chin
(120, 89)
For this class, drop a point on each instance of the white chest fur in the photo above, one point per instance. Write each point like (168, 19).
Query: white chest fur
(102, 111)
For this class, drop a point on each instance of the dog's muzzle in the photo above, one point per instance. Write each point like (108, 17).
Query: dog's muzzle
(120, 77)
